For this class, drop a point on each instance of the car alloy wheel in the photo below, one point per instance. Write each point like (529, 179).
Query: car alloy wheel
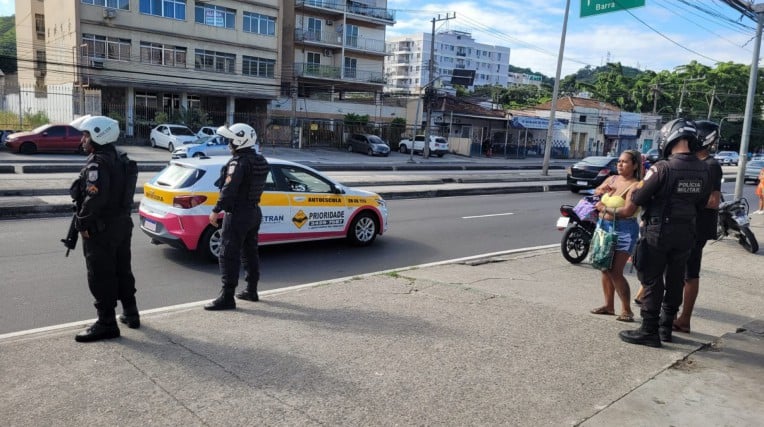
(363, 229)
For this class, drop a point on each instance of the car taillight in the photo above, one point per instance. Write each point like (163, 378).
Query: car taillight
(188, 202)
(604, 172)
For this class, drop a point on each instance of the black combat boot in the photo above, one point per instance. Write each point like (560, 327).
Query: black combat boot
(665, 326)
(224, 301)
(249, 294)
(130, 317)
(104, 328)
(647, 334)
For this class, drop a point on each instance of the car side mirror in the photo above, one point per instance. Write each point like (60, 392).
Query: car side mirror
(337, 190)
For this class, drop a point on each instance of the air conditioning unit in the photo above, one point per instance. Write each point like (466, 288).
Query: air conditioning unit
(109, 13)
(329, 22)
(327, 52)
(97, 63)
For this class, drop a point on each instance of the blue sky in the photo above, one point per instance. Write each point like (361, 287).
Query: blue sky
(680, 32)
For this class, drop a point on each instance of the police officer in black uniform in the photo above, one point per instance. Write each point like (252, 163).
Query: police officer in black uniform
(671, 194)
(103, 219)
(243, 180)
(708, 136)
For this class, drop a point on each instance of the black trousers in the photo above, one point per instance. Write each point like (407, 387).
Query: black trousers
(107, 258)
(661, 266)
(239, 245)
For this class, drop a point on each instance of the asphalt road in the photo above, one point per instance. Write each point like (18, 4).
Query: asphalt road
(41, 287)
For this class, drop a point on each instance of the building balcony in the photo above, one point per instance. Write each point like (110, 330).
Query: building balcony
(365, 44)
(362, 10)
(364, 76)
(330, 5)
(318, 37)
(330, 72)
(359, 10)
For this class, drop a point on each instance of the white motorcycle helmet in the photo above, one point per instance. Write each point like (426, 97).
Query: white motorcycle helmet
(103, 130)
(240, 135)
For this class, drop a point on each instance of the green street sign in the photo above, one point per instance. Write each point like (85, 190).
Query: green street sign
(596, 7)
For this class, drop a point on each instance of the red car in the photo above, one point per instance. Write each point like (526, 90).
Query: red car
(46, 138)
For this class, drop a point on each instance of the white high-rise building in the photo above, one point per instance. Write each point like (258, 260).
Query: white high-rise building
(407, 66)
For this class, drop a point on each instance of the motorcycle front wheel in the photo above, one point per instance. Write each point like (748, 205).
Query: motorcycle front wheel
(748, 240)
(575, 244)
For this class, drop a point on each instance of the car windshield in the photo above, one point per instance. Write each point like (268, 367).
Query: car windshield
(180, 130)
(376, 140)
(756, 164)
(596, 161)
(40, 128)
(179, 176)
(726, 153)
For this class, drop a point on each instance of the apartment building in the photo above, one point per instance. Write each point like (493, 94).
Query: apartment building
(333, 54)
(131, 59)
(407, 67)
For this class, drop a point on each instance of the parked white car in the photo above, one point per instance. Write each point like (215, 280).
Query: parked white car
(438, 145)
(171, 136)
(206, 131)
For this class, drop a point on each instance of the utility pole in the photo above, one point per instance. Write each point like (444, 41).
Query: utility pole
(711, 104)
(752, 79)
(431, 79)
(656, 89)
(555, 92)
(293, 121)
(681, 96)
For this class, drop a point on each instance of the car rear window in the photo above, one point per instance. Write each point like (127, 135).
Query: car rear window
(179, 176)
(596, 161)
(441, 141)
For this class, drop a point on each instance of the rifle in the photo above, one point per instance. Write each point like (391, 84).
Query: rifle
(70, 242)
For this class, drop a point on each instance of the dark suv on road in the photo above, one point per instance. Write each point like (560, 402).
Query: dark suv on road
(591, 172)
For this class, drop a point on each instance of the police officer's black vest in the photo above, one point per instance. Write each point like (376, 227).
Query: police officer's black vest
(123, 174)
(686, 184)
(250, 189)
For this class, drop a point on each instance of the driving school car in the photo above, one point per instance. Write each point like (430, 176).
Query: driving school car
(298, 204)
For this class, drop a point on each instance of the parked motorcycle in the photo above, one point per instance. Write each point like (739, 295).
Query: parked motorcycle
(577, 236)
(734, 220)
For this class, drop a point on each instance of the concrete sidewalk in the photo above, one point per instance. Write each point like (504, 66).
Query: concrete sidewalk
(502, 339)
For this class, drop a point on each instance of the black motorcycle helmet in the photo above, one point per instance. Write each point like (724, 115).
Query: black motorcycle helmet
(675, 130)
(708, 134)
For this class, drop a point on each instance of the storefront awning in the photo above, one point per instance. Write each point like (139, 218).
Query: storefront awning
(534, 123)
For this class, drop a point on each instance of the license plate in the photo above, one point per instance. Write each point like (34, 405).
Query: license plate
(582, 183)
(562, 222)
(149, 225)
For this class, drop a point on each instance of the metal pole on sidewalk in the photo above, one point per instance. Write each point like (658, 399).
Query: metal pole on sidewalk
(753, 76)
(555, 93)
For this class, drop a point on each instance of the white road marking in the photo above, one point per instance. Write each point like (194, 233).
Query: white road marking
(489, 215)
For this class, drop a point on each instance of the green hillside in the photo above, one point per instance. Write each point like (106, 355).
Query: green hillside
(8, 44)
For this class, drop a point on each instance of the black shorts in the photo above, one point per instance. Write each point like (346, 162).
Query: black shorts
(692, 270)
